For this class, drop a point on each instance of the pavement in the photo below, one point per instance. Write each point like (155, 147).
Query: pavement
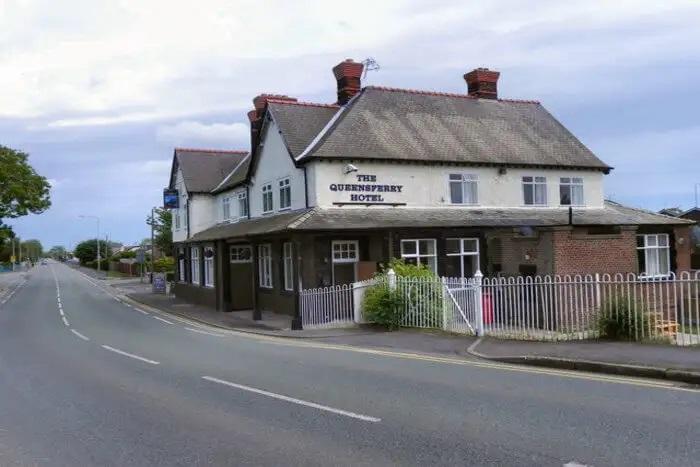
(91, 379)
(627, 358)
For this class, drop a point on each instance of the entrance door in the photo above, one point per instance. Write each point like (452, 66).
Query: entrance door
(345, 254)
(241, 263)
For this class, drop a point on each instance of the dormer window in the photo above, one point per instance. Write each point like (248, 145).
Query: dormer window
(535, 191)
(464, 188)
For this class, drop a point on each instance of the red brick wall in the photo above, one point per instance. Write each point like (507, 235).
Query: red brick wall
(576, 252)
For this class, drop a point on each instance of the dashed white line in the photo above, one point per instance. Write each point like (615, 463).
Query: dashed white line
(85, 338)
(163, 320)
(205, 332)
(127, 354)
(141, 311)
(293, 400)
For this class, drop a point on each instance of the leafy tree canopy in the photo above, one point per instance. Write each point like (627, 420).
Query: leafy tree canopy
(86, 251)
(162, 223)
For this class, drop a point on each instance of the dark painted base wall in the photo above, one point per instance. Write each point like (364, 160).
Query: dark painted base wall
(201, 295)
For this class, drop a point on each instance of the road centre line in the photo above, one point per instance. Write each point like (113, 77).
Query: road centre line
(205, 332)
(293, 400)
(163, 320)
(85, 338)
(127, 354)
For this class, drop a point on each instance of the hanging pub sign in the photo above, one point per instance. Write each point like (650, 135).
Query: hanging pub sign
(170, 199)
(366, 190)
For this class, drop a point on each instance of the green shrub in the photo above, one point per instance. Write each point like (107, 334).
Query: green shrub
(621, 318)
(164, 264)
(383, 306)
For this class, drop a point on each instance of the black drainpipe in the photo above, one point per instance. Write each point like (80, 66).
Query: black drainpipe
(247, 200)
(571, 215)
(306, 189)
(187, 211)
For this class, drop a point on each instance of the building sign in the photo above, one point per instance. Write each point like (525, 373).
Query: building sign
(159, 282)
(366, 190)
(170, 199)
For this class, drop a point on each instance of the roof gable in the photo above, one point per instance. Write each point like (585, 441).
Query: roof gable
(406, 125)
(203, 169)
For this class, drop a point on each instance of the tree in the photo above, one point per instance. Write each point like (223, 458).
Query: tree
(22, 190)
(86, 251)
(32, 250)
(58, 253)
(162, 226)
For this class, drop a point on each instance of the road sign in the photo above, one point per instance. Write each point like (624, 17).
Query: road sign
(140, 256)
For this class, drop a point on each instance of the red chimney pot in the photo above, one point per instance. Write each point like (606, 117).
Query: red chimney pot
(348, 74)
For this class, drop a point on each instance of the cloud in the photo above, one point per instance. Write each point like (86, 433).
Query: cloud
(191, 133)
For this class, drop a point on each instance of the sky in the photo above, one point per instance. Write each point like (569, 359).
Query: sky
(100, 92)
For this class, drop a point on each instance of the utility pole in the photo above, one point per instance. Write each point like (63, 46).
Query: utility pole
(14, 260)
(153, 248)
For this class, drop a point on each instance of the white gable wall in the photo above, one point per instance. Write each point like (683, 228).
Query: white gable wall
(427, 185)
(274, 163)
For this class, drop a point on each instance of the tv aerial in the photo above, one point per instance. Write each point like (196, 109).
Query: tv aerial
(370, 65)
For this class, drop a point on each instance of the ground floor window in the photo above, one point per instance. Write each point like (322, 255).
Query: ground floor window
(194, 265)
(462, 257)
(288, 265)
(208, 267)
(265, 266)
(240, 254)
(654, 255)
(420, 251)
(181, 264)
(345, 251)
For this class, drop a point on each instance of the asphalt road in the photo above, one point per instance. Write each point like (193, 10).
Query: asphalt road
(87, 380)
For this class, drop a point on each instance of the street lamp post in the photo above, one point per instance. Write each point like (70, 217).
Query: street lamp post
(99, 256)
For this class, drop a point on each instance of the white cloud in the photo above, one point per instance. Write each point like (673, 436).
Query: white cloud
(191, 133)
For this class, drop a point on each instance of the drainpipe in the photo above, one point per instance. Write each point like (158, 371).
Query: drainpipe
(571, 215)
(247, 200)
(306, 188)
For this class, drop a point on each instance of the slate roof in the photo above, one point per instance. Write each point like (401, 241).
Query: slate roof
(406, 125)
(204, 169)
(300, 122)
(319, 219)
(238, 175)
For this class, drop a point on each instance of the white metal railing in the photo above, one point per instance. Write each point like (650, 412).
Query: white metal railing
(536, 308)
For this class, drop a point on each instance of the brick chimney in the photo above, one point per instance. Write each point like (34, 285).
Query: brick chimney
(348, 75)
(482, 83)
(255, 116)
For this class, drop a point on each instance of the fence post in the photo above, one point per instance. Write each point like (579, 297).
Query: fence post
(597, 291)
(391, 275)
(357, 296)
(445, 318)
(478, 302)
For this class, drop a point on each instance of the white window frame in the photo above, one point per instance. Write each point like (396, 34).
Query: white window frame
(418, 256)
(235, 257)
(181, 263)
(284, 185)
(267, 193)
(265, 266)
(655, 248)
(242, 198)
(571, 184)
(465, 181)
(226, 208)
(288, 265)
(462, 252)
(194, 265)
(535, 181)
(208, 267)
(176, 224)
(353, 246)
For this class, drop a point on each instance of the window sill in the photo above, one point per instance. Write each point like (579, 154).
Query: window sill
(284, 209)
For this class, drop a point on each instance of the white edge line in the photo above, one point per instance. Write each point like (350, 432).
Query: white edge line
(163, 320)
(204, 332)
(85, 338)
(65, 321)
(60, 310)
(127, 354)
(282, 397)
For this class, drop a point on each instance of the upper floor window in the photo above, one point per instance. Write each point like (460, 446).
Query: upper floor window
(654, 255)
(571, 191)
(535, 191)
(242, 205)
(226, 208)
(285, 194)
(464, 189)
(267, 205)
(176, 217)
